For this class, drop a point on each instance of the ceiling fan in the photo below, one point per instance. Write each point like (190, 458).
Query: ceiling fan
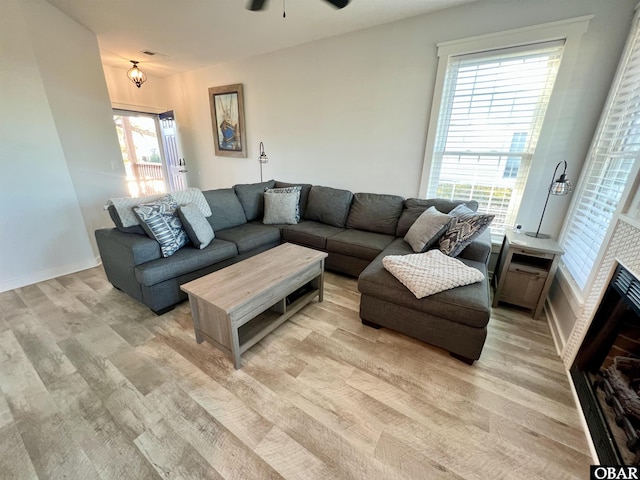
(257, 5)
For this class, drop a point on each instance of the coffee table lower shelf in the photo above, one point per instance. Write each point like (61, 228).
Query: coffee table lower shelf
(234, 337)
(256, 329)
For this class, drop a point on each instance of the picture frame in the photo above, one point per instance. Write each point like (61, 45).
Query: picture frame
(227, 120)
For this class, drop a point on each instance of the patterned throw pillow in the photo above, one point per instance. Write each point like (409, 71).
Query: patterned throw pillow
(281, 208)
(464, 228)
(427, 229)
(292, 189)
(161, 223)
(196, 225)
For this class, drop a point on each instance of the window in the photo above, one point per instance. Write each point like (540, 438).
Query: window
(491, 113)
(607, 168)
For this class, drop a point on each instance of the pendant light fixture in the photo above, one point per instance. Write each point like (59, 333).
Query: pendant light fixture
(136, 75)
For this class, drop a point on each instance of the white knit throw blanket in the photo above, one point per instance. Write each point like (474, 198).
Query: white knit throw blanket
(124, 205)
(430, 272)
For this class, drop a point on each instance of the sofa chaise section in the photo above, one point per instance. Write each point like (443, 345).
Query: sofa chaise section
(455, 319)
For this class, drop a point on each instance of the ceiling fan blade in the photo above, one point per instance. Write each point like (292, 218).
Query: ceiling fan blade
(338, 3)
(256, 5)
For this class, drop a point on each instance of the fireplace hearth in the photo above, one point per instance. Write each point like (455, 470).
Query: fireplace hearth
(606, 372)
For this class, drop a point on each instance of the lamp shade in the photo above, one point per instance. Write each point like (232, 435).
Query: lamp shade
(136, 75)
(561, 186)
(262, 158)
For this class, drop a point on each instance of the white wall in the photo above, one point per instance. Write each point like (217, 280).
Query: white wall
(58, 143)
(351, 111)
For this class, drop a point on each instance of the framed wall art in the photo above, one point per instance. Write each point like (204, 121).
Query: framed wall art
(227, 118)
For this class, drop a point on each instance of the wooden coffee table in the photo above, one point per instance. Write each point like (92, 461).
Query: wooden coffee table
(237, 306)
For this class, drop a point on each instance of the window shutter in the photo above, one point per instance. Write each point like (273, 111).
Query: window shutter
(493, 106)
(610, 161)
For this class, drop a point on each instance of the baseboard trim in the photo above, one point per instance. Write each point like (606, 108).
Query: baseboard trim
(47, 274)
(556, 333)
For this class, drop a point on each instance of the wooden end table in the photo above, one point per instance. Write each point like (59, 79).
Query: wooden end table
(237, 306)
(526, 267)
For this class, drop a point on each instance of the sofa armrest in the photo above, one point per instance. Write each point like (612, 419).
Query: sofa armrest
(129, 247)
(120, 253)
(480, 249)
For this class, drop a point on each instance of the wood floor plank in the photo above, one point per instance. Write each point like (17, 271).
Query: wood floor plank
(221, 404)
(222, 450)
(292, 460)
(52, 450)
(15, 463)
(412, 462)
(172, 456)
(94, 385)
(6, 417)
(120, 397)
(111, 451)
(452, 392)
(43, 352)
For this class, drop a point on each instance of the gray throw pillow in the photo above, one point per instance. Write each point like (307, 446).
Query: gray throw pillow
(427, 229)
(196, 225)
(161, 223)
(464, 228)
(281, 208)
(291, 189)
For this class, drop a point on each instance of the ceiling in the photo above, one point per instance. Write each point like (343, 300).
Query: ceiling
(190, 34)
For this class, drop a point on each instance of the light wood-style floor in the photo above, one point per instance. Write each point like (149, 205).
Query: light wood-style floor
(94, 386)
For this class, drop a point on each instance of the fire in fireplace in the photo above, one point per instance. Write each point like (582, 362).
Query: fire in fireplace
(606, 372)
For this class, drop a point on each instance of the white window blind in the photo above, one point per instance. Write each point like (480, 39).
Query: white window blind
(611, 158)
(492, 109)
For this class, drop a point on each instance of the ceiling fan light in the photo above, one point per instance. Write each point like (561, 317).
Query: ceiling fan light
(136, 75)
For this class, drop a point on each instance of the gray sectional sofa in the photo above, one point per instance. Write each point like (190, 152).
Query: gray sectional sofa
(356, 230)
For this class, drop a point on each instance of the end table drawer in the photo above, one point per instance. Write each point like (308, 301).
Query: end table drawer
(528, 270)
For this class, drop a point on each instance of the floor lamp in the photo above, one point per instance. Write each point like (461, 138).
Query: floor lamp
(262, 159)
(559, 186)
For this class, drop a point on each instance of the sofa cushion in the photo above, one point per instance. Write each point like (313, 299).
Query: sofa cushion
(281, 207)
(466, 226)
(305, 188)
(194, 222)
(226, 209)
(160, 220)
(185, 260)
(413, 208)
(467, 305)
(328, 205)
(250, 236)
(358, 243)
(375, 212)
(250, 196)
(309, 233)
(427, 229)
